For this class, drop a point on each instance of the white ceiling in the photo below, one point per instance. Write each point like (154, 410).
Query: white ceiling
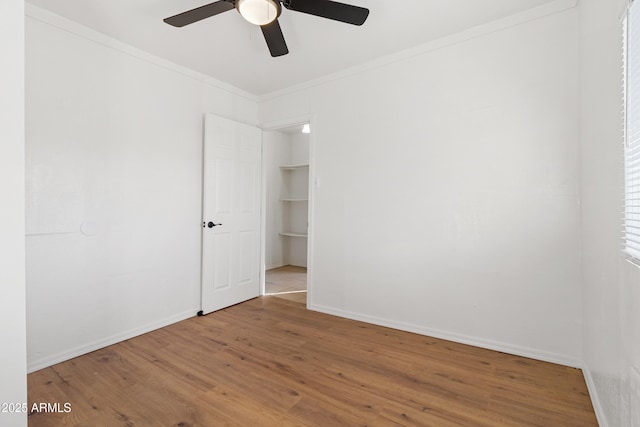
(228, 48)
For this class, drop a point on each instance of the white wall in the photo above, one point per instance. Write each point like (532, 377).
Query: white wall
(297, 214)
(300, 150)
(114, 172)
(611, 285)
(276, 151)
(448, 187)
(285, 149)
(13, 368)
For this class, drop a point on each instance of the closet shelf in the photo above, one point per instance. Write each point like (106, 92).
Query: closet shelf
(293, 167)
(291, 234)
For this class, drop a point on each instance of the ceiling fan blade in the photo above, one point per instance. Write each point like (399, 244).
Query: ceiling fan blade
(199, 13)
(274, 38)
(330, 9)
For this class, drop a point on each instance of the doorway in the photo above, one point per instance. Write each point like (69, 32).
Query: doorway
(286, 154)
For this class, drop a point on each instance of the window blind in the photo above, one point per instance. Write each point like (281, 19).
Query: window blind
(632, 137)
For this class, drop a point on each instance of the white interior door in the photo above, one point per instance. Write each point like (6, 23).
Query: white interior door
(231, 213)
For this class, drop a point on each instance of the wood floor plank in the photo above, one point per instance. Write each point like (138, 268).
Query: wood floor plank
(286, 279)
(271, 362)
(239, 408)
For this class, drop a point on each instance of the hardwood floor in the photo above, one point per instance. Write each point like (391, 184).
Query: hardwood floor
(289, 282)
(271, 362)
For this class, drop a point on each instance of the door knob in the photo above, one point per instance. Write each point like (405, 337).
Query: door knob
(210, 224)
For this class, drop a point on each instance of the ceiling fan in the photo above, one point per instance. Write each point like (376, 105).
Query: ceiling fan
(265, 13)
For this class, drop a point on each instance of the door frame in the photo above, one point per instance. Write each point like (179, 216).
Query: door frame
(275, 126)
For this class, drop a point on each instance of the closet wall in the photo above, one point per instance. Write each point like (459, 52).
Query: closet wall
(287, 178)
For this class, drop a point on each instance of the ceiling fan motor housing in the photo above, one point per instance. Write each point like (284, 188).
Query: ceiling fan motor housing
(265, 13)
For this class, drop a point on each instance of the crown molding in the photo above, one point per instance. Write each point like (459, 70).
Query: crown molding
(62, 23)
(547, 9)
(73, 27)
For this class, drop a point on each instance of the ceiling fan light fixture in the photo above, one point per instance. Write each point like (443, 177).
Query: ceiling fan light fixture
(258, 12)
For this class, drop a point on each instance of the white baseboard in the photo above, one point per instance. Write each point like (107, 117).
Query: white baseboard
(46, 361)
(531, 353)
(593, 393)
